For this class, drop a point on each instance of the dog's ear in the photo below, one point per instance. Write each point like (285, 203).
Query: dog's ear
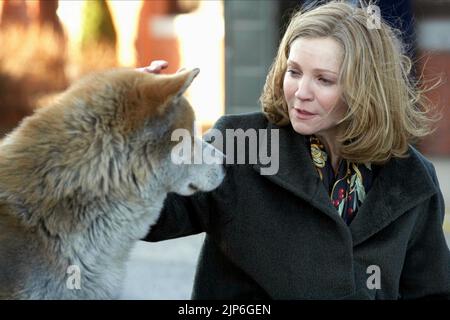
(182, 80)
(153, 94)
(160, 90)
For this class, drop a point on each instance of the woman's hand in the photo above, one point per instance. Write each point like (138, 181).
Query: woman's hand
(155, 67)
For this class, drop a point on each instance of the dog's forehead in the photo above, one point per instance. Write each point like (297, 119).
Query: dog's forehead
(132, 97)
(126, 77)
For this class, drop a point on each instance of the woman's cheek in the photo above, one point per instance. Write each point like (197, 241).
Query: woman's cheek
(288, 89)
(329, 100)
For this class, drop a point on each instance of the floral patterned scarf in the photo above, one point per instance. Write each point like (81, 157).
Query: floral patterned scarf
(348, 187)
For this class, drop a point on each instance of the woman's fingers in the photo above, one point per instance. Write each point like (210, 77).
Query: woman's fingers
(155, 66)
(158, 65)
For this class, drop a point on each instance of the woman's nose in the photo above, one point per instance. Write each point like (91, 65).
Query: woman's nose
(304, 91)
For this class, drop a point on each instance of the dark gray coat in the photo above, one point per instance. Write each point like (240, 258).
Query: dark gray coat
(279, 236)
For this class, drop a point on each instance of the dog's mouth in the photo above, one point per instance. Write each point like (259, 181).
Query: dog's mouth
(193, 187)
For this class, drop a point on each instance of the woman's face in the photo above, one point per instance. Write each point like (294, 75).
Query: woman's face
(310, 86)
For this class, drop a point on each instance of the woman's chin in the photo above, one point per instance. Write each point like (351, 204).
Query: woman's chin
(302, 129)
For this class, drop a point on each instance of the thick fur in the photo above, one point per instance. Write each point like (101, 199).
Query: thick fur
(83, 179)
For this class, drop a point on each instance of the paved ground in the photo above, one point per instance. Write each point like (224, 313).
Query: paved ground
(443, 172)
(166, 270)
(163, 270)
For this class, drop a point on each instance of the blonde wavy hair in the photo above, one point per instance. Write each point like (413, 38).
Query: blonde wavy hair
(386, 108)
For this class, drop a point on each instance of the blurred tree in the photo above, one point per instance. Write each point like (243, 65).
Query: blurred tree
(183, 6)
(14, 12)
(48, 16)
(98, 39)
(98, 26)
(32, 58)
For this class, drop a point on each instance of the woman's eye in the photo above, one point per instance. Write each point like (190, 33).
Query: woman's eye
(326, 81)
(293, 72)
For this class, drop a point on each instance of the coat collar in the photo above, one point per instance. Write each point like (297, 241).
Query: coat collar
(394, 191)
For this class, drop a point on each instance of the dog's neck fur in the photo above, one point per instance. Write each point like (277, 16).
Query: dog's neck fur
(59, 227)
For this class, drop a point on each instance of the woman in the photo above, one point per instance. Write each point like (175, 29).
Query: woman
(354, 211)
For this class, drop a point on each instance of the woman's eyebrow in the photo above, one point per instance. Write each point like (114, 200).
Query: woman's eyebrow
(295, 64)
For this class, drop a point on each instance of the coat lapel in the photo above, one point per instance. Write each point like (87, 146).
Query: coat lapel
(400, 185)
(297, 173)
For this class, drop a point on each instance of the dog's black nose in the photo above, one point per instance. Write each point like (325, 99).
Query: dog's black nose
(193, 187)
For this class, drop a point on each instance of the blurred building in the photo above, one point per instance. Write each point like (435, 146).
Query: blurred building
(253, 30)
(433, 39)
(186, 33)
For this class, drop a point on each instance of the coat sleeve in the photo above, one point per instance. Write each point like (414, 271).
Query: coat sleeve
(426, 271)
(202, 212)
(181, 216)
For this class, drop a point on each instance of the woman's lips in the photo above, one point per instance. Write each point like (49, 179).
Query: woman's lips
(303, 114)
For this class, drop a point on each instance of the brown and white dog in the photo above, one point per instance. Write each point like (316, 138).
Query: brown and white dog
(84, 178)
